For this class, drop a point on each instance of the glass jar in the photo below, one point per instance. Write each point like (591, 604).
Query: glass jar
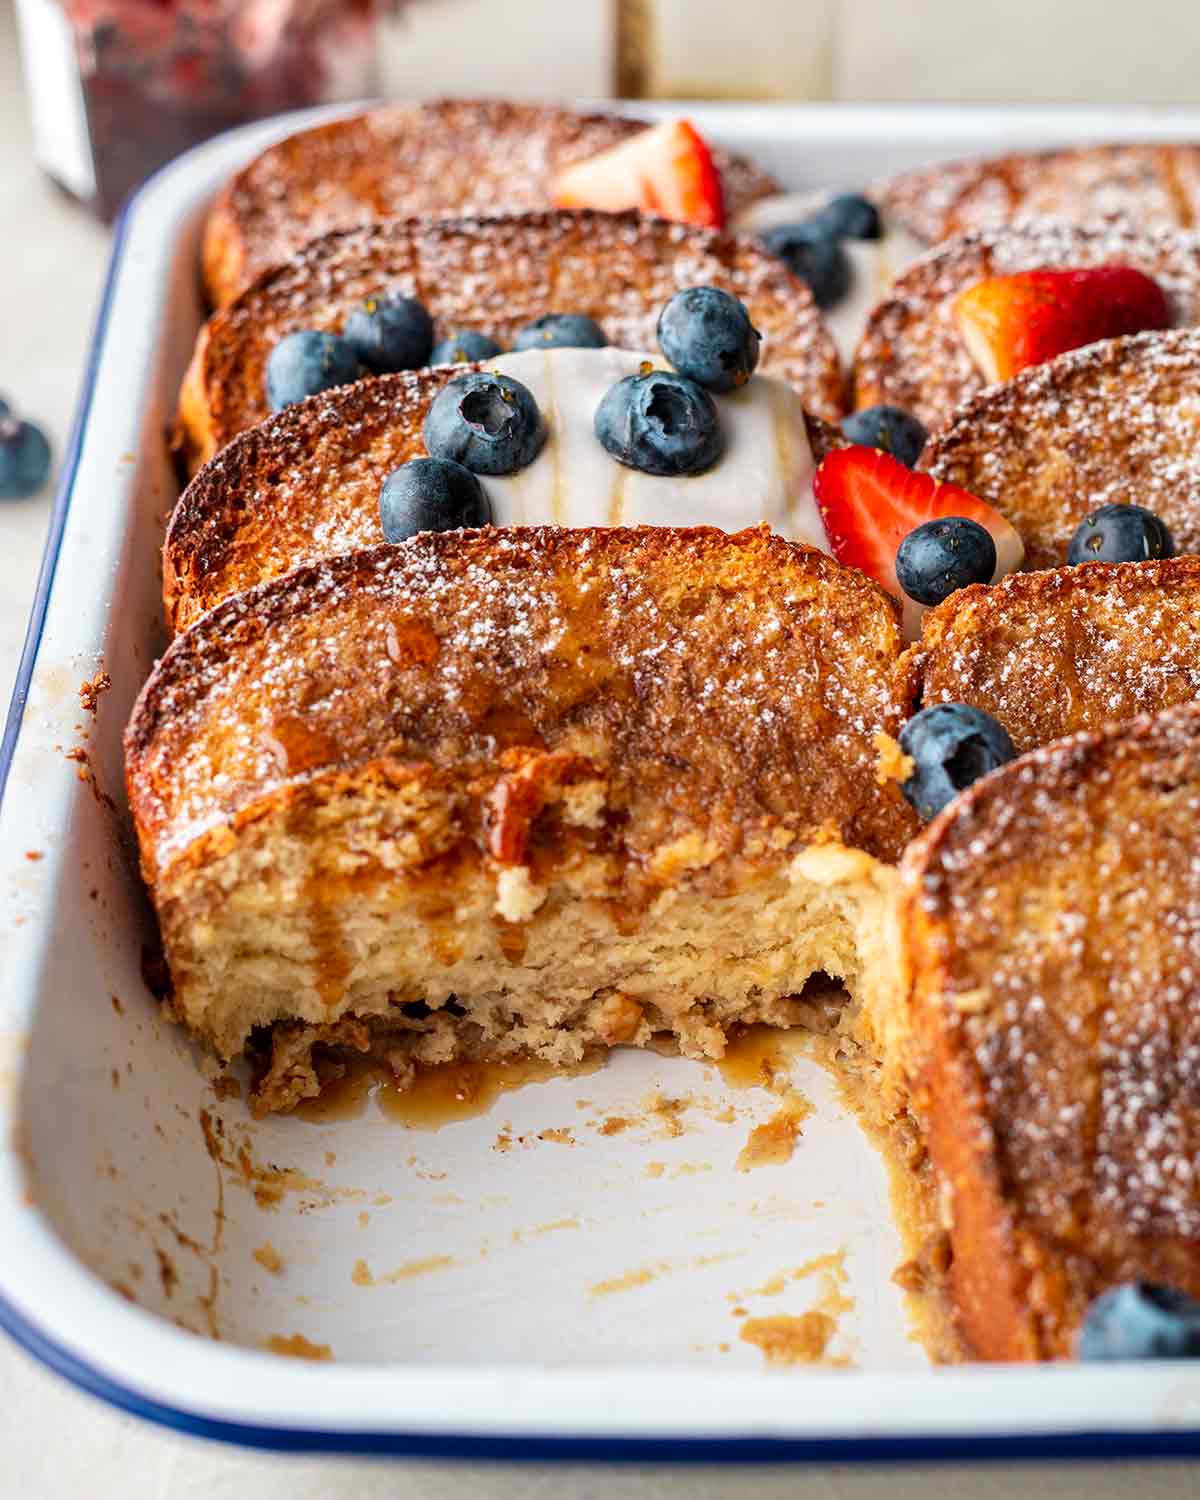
(118, 87)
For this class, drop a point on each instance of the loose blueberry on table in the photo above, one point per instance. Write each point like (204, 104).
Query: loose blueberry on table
(464, 348)
(1120, 533)
(431, 494)
(561, 331)
(489, 423)
(1141, 1320)
(951, 745)
(24, 456)
(390, 333)
(708, 336)
(939, 557)
(660, 423)
(891, 428)
(307, 363)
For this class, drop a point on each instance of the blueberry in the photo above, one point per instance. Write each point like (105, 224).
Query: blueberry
(463, 348)
(952, 745)
(24, 458)
(390, 333)
(815, 255)
(661, 423)
(888, 427)
(431, 494)
(302, 364)
(708, 336)
(490, 423)
(1120, 533)
(941, 556)
(850, 216)
(1141, 1320)
(561, 331)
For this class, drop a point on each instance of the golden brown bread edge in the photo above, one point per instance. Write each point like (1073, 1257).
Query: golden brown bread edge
(381, 652)
(911, 353)
(305, 484)
(1053, 653)
(496, 274)
(1053, 1022)
(1114, 422)
(440, 158)
(1152, 185)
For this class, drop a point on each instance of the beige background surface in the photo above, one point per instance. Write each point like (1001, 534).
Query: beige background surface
(58, 1444)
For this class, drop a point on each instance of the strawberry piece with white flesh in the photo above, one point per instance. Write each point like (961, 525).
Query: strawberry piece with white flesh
(666, 170)
(1011, 322)
(870, 501)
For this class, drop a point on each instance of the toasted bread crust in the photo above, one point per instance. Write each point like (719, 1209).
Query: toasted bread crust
(1152, 186)
(1049, 914)
(304, 484)
(440, 158)
(1054, 653)
(497, 274)
(416, 653)
(911, 353)
(1116, 421)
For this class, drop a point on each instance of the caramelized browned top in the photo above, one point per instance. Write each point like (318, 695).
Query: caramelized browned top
(496, 275)
(1052, 653)
(1116, 421)
(723, 685)
(1152, 186)
(911, 352)
(304, 485)
(1055, 910)
(446, 156)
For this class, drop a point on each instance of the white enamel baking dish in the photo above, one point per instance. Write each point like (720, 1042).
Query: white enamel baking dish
(568, 1297)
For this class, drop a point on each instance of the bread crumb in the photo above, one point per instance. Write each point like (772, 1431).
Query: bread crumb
(269, 1258)
(892, 763)
(517, 896)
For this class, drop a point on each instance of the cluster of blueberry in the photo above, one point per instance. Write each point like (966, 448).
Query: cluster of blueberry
(813, 249)
(386, 334)
(663, 422)
(24, 456)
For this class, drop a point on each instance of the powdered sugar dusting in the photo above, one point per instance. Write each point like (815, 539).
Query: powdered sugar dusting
(911, 352)
(441, 157)
(730, 682)
(497, 274)
(1065, 892)
(1114, 422)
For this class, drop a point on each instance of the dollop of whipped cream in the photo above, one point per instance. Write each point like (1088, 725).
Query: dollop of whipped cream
(874, 264)
(765, 473)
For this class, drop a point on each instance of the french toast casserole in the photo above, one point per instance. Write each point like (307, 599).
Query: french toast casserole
(556, 665)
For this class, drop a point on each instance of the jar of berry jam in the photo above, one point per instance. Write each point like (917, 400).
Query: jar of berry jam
(118, 87)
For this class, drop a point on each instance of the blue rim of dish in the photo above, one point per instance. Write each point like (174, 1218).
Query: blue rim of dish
(468, 1446)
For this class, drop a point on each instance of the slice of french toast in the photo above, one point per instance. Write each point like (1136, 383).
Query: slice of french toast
(442, 157)
(1049, 654)
(912, 353)
(496, 275)
(305, 483)
(1117, 421)
(523, 791)
(1051, 920)
(1151, 185)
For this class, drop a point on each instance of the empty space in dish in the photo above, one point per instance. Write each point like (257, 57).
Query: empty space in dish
(535, 1233)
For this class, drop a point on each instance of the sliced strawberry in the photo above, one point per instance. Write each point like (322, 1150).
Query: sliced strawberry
(869, 503)
(667, 171)
(1010, 322)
